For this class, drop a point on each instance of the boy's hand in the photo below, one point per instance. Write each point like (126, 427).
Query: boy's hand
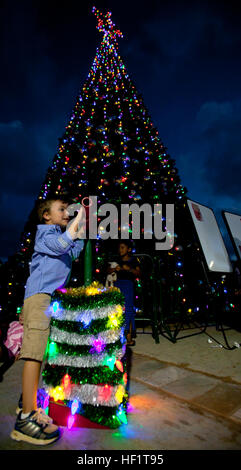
(81, 232)
(77, 225)
(126, 267)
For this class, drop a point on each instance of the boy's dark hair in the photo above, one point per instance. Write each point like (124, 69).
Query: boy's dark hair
(126, 242)
(44, 205)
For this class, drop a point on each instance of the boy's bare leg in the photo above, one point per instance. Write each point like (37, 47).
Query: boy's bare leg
(129, 334)
(30, 381)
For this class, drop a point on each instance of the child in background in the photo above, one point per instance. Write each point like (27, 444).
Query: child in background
(50, 269)
(127, 269)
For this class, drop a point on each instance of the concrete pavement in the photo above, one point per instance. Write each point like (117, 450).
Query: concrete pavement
(195, 370)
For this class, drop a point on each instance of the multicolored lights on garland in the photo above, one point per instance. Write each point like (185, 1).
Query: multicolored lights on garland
(85, 366)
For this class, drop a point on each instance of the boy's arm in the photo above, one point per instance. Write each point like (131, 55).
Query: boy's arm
(137, 269)
(51, 243)
(76, 231)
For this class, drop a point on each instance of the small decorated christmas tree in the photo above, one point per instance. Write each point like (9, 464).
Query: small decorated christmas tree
(85, 373)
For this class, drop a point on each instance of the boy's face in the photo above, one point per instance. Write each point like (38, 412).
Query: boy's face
(58, 214)
(123, 249)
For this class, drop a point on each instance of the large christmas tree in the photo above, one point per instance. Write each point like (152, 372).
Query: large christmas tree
(112, 150)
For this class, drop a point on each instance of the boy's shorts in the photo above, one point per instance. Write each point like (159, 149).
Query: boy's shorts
(36, 326)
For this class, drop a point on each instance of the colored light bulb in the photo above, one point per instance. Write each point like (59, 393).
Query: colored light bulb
(122, 416)
(120, 393)
(71, 420)
(119, 365)
(66, 381)
(58, 394)
(113, 321)
(110, 362)
(104, 393)
(55, 306)
(46, 403)
(74, 406)
(98, 346)
(52, 349)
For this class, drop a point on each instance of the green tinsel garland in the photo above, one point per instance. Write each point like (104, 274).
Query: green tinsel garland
(84, 350)
(53, 375)
(104, 415)
(96, 326)
(88, 302)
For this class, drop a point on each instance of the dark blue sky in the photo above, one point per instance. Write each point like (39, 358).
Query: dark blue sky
(184, 58)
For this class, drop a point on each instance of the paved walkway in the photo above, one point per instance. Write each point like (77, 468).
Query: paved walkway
(205, 392)
(195, 370)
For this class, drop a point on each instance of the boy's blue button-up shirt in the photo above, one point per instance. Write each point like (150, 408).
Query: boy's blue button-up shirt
(51, 260)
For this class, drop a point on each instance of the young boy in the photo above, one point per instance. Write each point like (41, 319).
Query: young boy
(50, 269)
(127, 269)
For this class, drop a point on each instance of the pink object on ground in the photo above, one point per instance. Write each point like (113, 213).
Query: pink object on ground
(14, 337)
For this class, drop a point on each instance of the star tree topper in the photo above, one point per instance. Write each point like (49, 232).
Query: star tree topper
(106, 25)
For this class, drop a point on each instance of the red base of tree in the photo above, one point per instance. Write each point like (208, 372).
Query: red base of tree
(60, 413)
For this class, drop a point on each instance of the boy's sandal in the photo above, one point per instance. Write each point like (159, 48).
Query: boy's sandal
(35, 429)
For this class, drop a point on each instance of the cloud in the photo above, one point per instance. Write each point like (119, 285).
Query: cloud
(213, 114)
(15, 209)
(210, 163)
(10, 125)
(199, 29)
(18, 159)
(219, 127)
